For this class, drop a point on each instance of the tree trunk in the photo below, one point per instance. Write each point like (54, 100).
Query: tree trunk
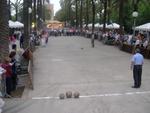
(34, 15)
(135, 4)
(105, 16)
(69, 13)
(16, 13)
(9, 8)
(26, 23)
(108, 11)
(93, 16)
(4, 29)
(39, 12)
(30, 16)
(81, 8)
(44, 10)
(87, 13)
(76, 14)
(101, 8)
(121, 16)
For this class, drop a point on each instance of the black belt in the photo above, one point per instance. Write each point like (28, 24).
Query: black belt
(137, 65)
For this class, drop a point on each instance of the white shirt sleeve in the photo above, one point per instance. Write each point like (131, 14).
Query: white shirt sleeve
(137, 42)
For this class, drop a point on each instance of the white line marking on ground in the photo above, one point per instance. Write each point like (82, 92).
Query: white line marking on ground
(44, 98)
(129, 93)
(99, 95)
(56, 60)
(117, 94)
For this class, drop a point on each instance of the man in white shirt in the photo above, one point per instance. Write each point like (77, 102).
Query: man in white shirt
(136, 65)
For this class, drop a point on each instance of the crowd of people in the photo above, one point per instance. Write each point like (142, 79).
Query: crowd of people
(112, 37)
(8, 77)
(8, 65)
(64, 32)
(9, 74)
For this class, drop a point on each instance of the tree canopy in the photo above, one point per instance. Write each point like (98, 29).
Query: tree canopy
(117, 11)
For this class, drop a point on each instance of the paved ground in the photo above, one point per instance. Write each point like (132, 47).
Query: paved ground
(100, 74)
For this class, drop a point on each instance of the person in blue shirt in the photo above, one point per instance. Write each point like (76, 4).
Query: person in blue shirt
(136, 65)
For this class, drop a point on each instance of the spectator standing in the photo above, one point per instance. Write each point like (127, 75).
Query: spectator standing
(8, 75)
(21, 40)
(136, 65)
(43, 38)
(12, 42)
(92, 40)
(2, 71)
(14, 70)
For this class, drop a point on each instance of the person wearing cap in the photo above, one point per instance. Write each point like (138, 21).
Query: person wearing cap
(136, 65)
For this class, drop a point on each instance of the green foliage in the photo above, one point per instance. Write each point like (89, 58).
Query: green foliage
(142, 5)
(17, 7)
(128, 19)
(47, 14)
(144, 13)
(60, 15)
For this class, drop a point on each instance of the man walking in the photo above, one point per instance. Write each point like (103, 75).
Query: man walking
(136, 65)
(92, 40)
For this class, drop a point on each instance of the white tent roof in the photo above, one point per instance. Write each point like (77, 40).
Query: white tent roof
(113, 26)
(110, 26)
(89, 25)
(84, 25)
(11, 24)
(101, 26)
(18, 24)
(97, 25)
(15, 24)
(144, 27)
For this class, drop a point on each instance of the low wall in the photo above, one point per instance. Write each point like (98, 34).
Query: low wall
(130, 49)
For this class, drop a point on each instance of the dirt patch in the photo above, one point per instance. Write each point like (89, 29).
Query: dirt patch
(18, 92)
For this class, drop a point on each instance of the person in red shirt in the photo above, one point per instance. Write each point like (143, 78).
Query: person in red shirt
(8, 75)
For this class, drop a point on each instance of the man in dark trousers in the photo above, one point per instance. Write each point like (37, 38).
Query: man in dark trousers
(136, 65)
(21, 40)
(92, 40)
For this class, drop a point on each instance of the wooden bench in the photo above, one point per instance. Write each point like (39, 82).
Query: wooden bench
(130, 49)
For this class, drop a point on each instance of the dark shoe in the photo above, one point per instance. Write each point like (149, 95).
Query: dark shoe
(8, 96)
(135, 87)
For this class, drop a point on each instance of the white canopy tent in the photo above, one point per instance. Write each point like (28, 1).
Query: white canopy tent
(89, 25)
(15, 24)
(84, 25)
(144, 27)
(101, 25)
(11, 24)
(113, 26)
(19, 24)
(110, 26)
(97, 25)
